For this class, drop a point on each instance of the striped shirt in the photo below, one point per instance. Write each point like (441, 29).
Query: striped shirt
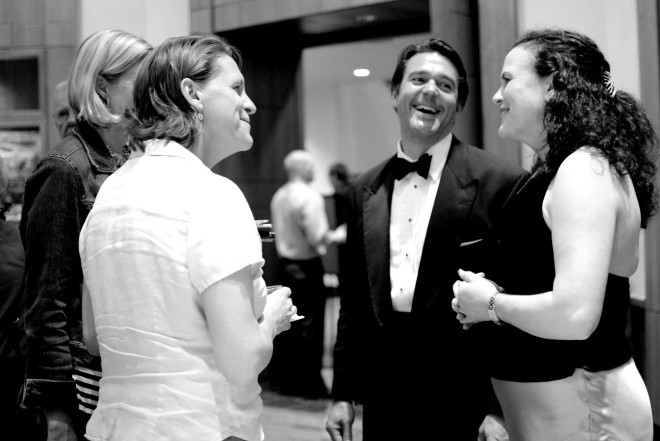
(87, 388)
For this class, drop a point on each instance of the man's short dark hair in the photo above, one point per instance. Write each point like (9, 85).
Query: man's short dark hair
(431, 45)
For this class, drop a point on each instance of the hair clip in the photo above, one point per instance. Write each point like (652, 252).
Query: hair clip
(609, 85)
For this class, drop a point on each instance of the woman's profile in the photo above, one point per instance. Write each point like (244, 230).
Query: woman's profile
(556, 348)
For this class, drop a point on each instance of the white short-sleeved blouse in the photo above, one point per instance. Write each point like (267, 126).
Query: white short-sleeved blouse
(162, 230)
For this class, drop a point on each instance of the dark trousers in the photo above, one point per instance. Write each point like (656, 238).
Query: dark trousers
(417, 391)
(298, 352)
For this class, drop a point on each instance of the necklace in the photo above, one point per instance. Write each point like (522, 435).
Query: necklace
(120, 158)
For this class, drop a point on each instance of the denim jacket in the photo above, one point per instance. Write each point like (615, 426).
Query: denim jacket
(58, 197)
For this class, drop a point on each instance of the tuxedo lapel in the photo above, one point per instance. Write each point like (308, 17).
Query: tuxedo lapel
(453, 202)
(376, 227)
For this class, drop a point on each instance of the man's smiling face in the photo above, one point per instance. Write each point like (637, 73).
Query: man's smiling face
(427, 100)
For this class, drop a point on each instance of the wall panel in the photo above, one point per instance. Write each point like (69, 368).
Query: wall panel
(649, 45)
(454, 21)
(497, 31)
(49, 28)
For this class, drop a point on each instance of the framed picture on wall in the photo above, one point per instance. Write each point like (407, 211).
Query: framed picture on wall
(20, 150)
(22, 121)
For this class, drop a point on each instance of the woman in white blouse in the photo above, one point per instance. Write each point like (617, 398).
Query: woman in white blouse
(172, 262)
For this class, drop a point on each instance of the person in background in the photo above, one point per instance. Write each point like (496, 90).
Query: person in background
(301, 230)
(416, 218)
(63, 115)
(176, 303)
(341, 183)
(561, 360)
(5, 197)
(61, 376)
(13, 419)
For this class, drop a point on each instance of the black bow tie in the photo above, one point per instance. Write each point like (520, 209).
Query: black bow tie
(403, 167)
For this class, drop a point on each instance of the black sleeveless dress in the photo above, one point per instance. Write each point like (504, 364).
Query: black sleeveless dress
(558, 389)
(527, 267)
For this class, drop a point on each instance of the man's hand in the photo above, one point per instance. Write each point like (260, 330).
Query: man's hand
(340, 421)
(60, 425)
(492, 429)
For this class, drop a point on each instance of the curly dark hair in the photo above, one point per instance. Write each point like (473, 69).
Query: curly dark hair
(582, 112)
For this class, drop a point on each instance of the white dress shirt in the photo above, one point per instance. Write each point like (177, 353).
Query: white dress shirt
(299, 221)
(412, 203)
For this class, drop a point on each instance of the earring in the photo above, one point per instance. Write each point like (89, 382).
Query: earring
(200, 116)
(104, 100)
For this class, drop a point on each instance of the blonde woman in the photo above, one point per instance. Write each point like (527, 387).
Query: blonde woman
(61, 375)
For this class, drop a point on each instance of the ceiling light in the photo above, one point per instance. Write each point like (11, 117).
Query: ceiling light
(365, 18)
(361, 73)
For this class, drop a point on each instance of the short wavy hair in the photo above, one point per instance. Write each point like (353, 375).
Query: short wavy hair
(161, 110)
(583, 112)
(437, 46)
(109, 54)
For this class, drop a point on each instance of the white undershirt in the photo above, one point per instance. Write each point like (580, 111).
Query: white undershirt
(412, 203)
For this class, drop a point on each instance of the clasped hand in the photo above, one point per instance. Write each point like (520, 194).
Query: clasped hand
(472, 292)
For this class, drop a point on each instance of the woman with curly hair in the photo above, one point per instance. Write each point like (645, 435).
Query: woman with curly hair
(560, 359)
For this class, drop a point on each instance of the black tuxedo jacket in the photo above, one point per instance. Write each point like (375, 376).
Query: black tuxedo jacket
(439, 363)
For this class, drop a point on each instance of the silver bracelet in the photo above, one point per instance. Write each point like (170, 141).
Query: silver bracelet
(492, 312)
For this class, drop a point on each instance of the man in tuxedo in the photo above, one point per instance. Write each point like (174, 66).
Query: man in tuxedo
(416, 219)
